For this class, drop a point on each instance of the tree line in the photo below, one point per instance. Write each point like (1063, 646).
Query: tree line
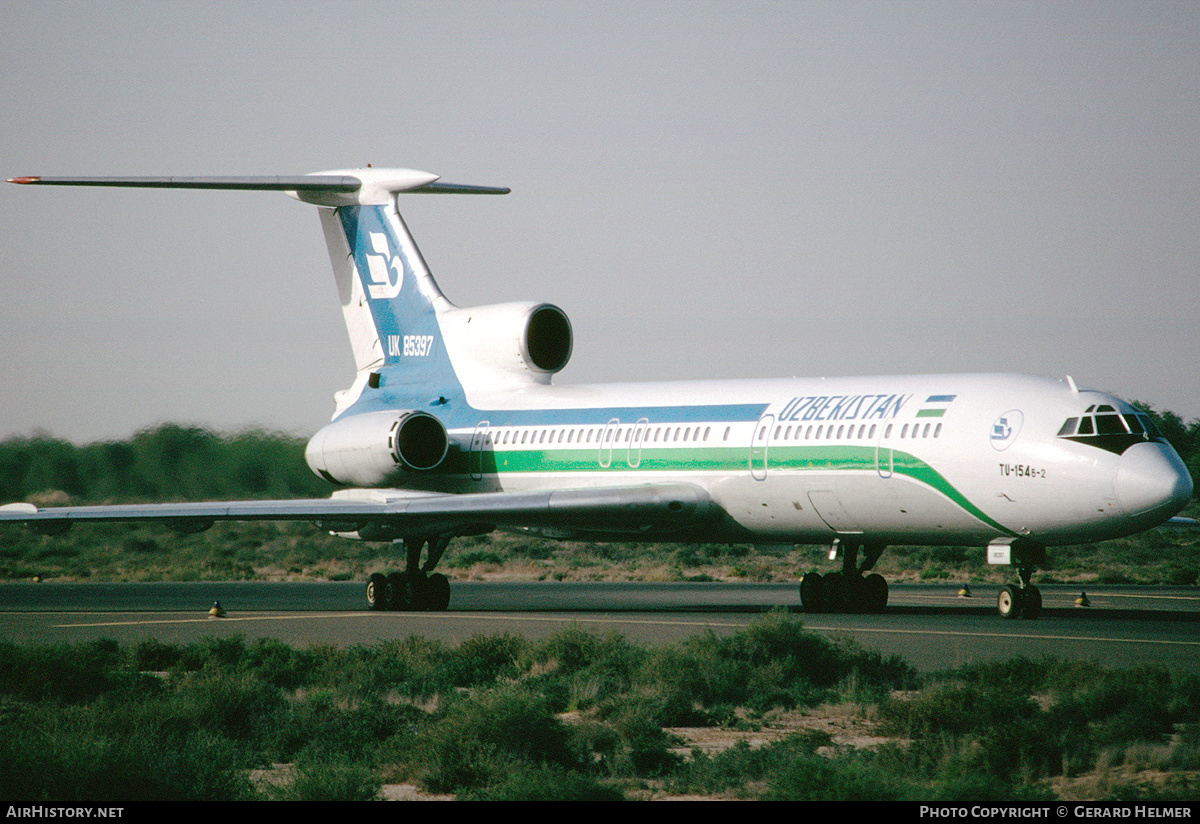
(168, 462)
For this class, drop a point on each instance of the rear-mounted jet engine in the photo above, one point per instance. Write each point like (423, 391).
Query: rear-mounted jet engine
(368, 449)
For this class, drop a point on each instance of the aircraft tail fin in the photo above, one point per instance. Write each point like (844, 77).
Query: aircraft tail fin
(389, 299)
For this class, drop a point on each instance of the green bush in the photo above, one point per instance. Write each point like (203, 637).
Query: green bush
(774, 662)
(646, 747)
(476, 556)
(814, 778)
(485, 659)
(326, 779)
(538, 783)
(581, 669)
(790, 770)
(72, 757)
(239, 705)
(478, 739)
(68, 673)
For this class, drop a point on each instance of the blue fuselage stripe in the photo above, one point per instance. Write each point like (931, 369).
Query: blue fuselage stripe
(459, 416)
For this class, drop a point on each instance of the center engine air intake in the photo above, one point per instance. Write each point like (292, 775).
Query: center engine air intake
(507, 342)
(368, 449)
(547, 339)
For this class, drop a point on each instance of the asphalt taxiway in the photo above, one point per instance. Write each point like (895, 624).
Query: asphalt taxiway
(929, 625)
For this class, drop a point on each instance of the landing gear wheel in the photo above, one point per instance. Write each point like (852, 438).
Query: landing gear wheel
(874, 593)
(812, 592)
(1010, 601)
(401, 591)
(419, 591)
(835, 592)
(1031, 602)
(377, 592)
(436, 592)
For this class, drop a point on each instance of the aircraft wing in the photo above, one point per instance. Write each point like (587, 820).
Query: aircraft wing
(631, 511)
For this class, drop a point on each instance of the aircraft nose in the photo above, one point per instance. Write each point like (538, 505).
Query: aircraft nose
(1152, 481)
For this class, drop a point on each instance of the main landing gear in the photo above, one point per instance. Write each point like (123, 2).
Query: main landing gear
(414, 589)
(849, 590)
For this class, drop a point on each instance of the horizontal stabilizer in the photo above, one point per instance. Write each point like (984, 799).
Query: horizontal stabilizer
(301, 183)
(338, 188)
(460, 189)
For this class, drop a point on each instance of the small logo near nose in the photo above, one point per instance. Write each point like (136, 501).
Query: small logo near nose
(1005, 429)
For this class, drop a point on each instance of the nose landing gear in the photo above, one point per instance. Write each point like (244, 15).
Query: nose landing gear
(1024, 601)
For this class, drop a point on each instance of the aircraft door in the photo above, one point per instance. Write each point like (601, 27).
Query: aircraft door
(475, 458)
(758, 447)
(607, 435)
(635, 443)
(883, 451)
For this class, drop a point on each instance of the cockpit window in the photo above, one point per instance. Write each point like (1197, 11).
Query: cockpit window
(1111, 424)
(1135, 424)
(1149, 426)
(1103, 426)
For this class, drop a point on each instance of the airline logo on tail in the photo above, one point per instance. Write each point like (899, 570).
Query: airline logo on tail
(381, 265)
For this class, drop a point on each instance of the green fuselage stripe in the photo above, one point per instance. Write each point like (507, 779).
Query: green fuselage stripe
(714, 459)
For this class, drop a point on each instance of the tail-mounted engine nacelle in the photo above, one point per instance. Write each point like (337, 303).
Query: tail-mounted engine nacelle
(521, 340)
(368, 449)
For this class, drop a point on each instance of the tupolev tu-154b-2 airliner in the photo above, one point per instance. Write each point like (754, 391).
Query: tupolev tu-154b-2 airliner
(454, 427)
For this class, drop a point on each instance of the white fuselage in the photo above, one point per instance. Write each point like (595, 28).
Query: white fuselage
(941, 459)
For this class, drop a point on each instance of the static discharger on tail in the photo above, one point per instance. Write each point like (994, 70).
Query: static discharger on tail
(452, 427)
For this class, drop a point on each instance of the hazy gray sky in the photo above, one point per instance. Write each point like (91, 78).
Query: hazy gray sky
(708, 190)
